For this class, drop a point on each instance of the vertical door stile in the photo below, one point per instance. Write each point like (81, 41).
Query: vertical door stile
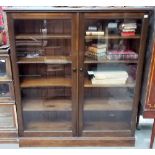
(81, 72)
(144, 30)
(74, 41)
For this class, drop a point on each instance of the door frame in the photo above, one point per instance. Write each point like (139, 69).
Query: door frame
(11, 17)
(112, 15)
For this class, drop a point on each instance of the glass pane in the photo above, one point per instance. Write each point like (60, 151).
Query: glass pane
(108, 108)
(47, 108)
(112, 40)
(4, 90)
(2, 67)
(44, 61)
(110, 62)
(6, 117)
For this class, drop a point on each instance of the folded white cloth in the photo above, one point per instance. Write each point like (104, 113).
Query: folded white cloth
(108, 74)
(110, 81)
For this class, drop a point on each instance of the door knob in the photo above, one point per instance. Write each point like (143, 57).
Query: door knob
(74, 69)
(81, 69)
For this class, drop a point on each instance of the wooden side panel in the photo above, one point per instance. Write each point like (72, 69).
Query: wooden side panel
(15, 72)
(140, 70)
(150, 100)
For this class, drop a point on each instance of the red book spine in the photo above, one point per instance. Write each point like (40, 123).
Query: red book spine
(126, 34)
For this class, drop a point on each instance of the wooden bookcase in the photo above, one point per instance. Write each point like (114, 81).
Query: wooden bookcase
(57, 102)
(8, 115)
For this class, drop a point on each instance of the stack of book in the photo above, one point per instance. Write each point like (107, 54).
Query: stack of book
(115, 77)
(94, 31)
(128, 29)
(96, 51)
(122, 55)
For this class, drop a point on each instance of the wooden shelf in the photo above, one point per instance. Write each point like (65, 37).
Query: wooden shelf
(45, 82)
(113, 37)
(5, 79)
(40, 36)
(101, 125)
(47, 105)
(88, 83)
(107, 105)
(89, 61)
(30, 43)
(48, 126)
(45, 60)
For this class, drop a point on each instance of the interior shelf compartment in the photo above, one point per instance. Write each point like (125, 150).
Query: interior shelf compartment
(99, 125)
(41, 104)
(99, 104)
(88, 83)
(112, 37)
(107, 120)
(45, 60)
(47, 120)
(91, 61)
(41, 36)
(48, 126)
(45, 82)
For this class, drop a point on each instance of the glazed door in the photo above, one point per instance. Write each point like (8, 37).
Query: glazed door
(5, 69)
(45, 59)
(110, 67)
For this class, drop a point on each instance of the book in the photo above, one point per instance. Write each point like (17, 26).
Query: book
(128, 30)
(99, 45)
(94, 33)
(92, 28)
(127, 34)
(95, 56)
(112, 25)
(96, 50)
(122, 55)
(128, 25)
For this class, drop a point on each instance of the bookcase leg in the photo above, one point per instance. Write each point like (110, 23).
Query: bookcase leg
(152, 135)
(138, 116)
